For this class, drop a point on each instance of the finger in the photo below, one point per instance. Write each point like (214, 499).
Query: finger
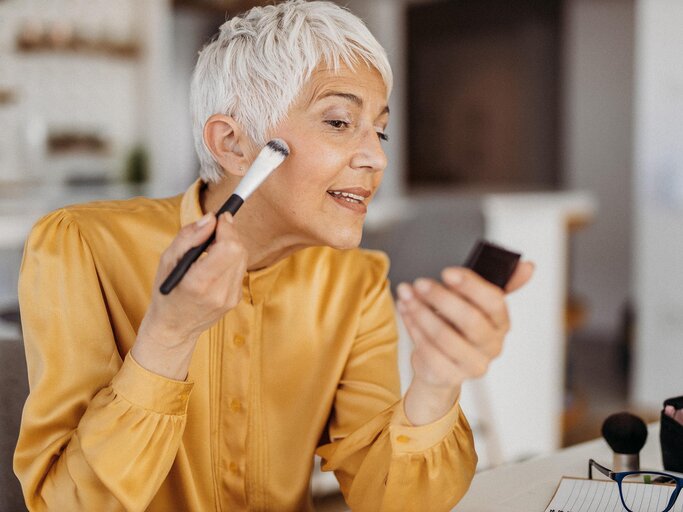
(669, 410)
(227, 230)
(467, 319)
(432, 367)
(427, 359)
(442, 335)
(521, 276)
(678, 416)
(188, 237)
(416, 336)
(225, 253)
(485, 296)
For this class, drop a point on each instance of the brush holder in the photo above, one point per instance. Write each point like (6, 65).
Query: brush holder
(671, 438)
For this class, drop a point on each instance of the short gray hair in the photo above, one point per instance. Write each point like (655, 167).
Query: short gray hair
(257, 64)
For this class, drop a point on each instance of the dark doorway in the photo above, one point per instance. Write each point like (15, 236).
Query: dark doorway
(484, 93)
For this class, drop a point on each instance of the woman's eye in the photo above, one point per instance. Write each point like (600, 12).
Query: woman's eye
(383, 136)
(338, 124)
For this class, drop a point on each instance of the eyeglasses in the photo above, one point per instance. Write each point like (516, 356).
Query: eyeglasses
(669, 487)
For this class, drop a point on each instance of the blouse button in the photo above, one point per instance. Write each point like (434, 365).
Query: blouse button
(235, 405)
(238, 341)
(402, 439)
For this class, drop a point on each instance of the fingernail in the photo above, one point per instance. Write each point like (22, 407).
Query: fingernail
(204, 220)
(404, 291)
(423, 285)
(669, 410)
(452, 276)
(227, 217)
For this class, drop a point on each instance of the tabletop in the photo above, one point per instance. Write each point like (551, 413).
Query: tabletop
(529, 486)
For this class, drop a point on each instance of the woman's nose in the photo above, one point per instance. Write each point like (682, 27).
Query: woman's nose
(369, 154)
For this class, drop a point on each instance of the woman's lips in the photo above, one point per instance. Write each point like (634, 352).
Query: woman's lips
(354, 191)
(351, 198)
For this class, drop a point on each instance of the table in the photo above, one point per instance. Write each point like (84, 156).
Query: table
(528, 486)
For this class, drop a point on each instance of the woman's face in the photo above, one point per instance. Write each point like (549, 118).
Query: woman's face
(320, 194)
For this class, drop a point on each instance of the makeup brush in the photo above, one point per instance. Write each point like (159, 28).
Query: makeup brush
(626, 434)
(270, 157)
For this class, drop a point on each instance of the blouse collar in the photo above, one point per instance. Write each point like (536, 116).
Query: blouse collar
(190, 207)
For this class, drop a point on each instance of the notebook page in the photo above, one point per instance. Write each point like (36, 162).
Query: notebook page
(580, 495)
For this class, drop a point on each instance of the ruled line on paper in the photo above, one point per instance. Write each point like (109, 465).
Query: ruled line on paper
(581, 495)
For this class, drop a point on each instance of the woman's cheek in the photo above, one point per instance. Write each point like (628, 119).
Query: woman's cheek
(378, 178)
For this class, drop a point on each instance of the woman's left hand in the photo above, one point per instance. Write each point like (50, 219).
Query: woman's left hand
(458, 328)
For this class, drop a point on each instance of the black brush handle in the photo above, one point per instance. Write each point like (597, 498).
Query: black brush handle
(230, 206)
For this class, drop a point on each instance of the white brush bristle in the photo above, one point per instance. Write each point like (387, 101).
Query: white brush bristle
(270, 157)
(278, 145)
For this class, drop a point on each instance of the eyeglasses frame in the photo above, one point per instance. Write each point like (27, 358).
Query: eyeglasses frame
(619, 476)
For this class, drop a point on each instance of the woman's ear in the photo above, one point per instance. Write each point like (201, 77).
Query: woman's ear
(226, 141)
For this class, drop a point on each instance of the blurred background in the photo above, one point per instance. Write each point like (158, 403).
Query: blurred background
(554, 127)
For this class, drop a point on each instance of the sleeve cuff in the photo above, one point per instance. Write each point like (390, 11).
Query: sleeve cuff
(408, 438)
(150, 390)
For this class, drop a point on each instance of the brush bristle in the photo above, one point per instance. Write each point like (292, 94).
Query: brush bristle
(279, 145)
(268, 159)
(625, 433)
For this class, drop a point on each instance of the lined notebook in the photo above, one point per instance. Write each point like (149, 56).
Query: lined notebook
(581, 495)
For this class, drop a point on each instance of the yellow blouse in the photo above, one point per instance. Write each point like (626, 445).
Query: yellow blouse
(306, 363)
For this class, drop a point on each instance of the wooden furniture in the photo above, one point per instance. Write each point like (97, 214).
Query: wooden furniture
(517, 408)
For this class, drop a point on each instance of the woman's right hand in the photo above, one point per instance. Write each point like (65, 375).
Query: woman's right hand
(210, 288)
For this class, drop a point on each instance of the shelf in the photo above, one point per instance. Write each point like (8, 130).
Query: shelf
(68, 143)
(576, 314)
(7, 96)
(124, 50)
(578, 221)
(64, 38)
(222, 7)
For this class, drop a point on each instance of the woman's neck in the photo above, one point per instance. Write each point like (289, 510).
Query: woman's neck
(265, 241)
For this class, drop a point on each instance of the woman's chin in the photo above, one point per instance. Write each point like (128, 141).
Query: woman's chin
(345, 240)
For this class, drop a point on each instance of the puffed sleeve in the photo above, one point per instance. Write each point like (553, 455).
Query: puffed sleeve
(97, 433)
(382, 462)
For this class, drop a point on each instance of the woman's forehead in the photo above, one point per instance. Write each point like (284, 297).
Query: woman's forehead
(362, 81)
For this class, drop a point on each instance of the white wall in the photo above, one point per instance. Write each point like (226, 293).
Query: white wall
(526, 383)
(190, 30)
(63, 90)
(658, 196)
(598, 90)
(154, 95)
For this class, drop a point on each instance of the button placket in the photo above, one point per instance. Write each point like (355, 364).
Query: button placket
(241, 398)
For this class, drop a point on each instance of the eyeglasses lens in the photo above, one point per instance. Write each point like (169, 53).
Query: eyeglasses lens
(657, 497)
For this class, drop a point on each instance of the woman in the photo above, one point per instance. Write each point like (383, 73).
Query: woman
(279, 342)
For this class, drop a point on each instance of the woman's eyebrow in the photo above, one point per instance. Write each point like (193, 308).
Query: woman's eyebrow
(349, 97)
